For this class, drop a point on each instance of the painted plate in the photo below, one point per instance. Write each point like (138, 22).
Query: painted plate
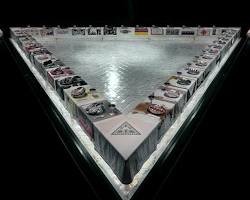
(183, 81)
(78, 92)
(193, 71)
(57, 71)
(172, 93)
(156, 109)
(95, 109)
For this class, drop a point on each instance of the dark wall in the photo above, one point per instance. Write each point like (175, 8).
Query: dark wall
(158, 12)
(36, 159)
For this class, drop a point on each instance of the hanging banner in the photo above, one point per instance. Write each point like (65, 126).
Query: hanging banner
(188, 31)
(172, 31)
(47, 31)
(125, 31)
(94, 31)
(61, 31)
(141, 31)
(156, 31)
(217, 31)
(204, 32)
(110, 30)
(78, 31)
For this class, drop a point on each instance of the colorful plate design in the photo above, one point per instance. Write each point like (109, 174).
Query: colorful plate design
(78, 92)
(95, 109)
(171, 94)
(156, 109)
(183, 81)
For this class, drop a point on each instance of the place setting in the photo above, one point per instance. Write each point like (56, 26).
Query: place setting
(207, 56)
(193, 71)
(61, 71)
(57, 71)
(167, 92)
(53, 63)
(183, 81)
(79, 92)
(201, 63)
(100, 110)
(95, 109)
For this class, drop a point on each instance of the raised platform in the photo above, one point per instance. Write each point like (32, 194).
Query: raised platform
(129, 161)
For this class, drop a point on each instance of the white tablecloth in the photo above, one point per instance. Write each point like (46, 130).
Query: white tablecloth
(125, 142)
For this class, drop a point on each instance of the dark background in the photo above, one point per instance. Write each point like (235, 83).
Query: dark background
(35, 161)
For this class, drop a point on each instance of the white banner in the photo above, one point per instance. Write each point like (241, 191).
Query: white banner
(157, 31)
